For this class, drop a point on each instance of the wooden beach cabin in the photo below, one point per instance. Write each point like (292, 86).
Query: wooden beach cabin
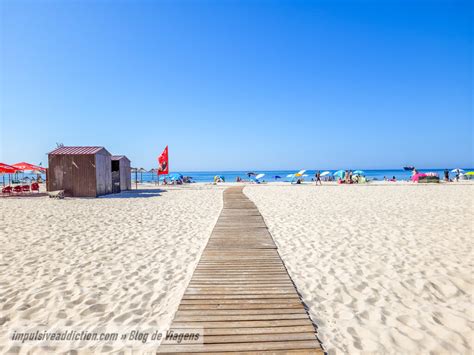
(121, 173)
(80, 171)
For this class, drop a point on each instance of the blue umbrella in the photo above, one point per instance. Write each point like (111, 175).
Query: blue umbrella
(358, 172)
(340, 174)
(175, 176)
(277, 177)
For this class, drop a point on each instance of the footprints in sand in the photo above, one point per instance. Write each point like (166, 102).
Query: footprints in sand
(380, 273)
(89, 263)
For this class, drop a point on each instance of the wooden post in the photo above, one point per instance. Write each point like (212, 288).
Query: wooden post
(136, 179)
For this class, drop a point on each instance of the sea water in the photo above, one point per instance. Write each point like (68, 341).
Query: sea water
(282, 175)
(270, 175)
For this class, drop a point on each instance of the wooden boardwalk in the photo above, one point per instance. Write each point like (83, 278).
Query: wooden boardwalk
(240, 296)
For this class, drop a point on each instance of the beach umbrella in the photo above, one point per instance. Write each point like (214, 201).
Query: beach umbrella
(251, 173)
(175, 176)
(27, 166)
(141, 171)
(340, 174)
(290, 175)
(277, 177)
(457, 170)
(7, 169)
(259, 176)
(470, 173)
(358, 172)
(300, 173)
(153, 173)
(324, 173)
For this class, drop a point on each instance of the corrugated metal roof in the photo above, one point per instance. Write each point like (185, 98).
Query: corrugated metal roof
(76, 150)
(118, 157)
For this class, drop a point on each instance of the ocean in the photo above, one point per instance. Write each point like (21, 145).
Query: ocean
(270, 175)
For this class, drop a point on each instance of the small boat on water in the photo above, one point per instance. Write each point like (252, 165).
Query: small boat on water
(409, 168)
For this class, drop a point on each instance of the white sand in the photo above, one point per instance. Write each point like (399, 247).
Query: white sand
(383, 269)
(116, 262)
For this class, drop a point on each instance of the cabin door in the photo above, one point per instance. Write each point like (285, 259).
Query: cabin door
(115, 176)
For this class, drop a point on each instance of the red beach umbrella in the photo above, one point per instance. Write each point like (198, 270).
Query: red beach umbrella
(7, 169)
(28, 166)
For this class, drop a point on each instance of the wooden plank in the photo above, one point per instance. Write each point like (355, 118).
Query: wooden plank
(250, 301)
(251, 338)
(216, 312)
(241, 297)
(187, 296)
(258, 346)
(240, 306)
(240, 317)
(255, 330)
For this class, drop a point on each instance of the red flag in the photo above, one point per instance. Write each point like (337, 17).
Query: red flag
(163, 166)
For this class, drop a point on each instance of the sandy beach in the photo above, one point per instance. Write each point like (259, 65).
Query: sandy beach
(120, 261)
(383, 268)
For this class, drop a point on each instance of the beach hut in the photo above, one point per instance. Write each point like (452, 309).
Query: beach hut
(121, 173)
(80, 171)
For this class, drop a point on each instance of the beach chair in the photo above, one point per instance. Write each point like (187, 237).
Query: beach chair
(17, 189)
(7, 190)
(35, 187)
(25, 188)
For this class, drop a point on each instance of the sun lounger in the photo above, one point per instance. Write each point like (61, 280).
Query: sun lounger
(59, 194)
(25, 188)
(17, 189)
(35, 187)
(7, 190)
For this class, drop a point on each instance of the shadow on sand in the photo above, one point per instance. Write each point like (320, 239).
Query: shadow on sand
(140, 193)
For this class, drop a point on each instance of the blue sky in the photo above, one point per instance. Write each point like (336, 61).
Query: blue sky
(232, 85)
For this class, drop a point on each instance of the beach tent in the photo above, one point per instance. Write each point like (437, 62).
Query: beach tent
(324, 173)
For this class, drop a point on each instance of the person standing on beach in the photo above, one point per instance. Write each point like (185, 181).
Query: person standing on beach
(446, 175)
(318, 178)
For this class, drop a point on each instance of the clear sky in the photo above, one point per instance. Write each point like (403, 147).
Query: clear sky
(232, 85)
